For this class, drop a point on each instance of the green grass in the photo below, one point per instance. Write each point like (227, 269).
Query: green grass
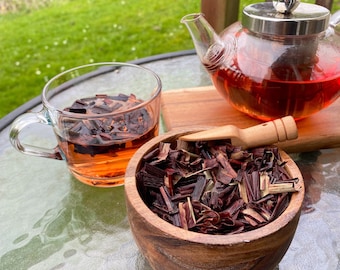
(39, 43)
(36, 45)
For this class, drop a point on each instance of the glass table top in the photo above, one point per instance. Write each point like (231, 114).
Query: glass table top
(49, 220)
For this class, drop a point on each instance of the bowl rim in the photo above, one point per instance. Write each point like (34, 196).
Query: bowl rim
(132, 195)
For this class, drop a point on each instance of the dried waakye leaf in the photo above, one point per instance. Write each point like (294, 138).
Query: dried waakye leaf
(214, 187)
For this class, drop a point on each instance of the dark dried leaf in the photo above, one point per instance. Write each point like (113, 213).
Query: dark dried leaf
(203, 191)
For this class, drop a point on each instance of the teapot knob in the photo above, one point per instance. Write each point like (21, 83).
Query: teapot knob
(285, 6)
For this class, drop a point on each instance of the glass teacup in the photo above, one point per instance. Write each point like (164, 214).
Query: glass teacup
(101, 114)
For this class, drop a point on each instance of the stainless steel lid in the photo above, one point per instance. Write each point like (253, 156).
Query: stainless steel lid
(277, 19)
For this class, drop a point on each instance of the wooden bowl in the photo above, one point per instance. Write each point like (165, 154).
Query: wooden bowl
(166, 246)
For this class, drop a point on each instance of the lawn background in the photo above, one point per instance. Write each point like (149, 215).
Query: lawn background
(39, 39)
(36, 44)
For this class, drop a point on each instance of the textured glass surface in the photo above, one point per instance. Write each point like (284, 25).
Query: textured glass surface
(49, 220)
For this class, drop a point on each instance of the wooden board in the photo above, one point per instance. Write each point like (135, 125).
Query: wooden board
(203, 106)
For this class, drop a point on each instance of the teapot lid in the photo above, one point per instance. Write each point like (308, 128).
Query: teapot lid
(276, 19)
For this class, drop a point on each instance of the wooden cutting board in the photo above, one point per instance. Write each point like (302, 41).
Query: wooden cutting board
(203, 106)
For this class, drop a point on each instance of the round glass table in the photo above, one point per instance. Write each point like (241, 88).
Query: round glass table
(49, 220)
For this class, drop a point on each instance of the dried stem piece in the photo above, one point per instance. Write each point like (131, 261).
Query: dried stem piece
(214, 187)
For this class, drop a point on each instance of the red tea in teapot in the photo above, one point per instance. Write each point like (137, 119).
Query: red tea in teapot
(268, 83)
(273, 102)
(283, 59)
(268, 99)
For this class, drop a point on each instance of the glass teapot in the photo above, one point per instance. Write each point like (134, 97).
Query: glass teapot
(282, 59)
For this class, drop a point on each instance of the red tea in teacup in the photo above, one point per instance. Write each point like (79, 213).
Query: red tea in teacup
(100, 113)
(99, 148)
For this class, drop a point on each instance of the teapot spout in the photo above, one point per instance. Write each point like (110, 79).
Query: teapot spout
(212, 51)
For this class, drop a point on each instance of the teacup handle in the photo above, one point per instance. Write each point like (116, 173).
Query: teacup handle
(23, 121)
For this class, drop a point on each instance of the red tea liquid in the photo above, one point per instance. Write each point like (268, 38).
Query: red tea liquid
(270, 99)
(106, 167)
(269, 79)
(98, 149)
